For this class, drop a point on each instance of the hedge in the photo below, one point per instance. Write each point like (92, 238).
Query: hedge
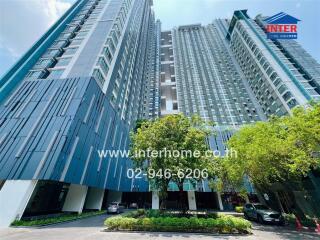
(222, 224)
(56, 219)
(157, 213)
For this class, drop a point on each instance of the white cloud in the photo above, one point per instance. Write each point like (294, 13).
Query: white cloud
(22, 22)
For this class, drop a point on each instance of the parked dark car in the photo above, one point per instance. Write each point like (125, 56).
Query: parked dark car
(262, 214)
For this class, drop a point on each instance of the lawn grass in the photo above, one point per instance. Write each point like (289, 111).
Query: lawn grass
(152, 220)
(56, 219)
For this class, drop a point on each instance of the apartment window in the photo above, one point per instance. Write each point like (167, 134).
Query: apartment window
(82, 33)
(43, 63)
(273, 76)
(120, 20)
(98, 76)
(76, 42)
(107, 53)
(59, 44)
(113, 98)
(56, 73)
(114, 37)
(282, 88)
(63, 61)
(35, 74)
(277, 82)
(111, 45)
(287, 96)
(269, 71)
(262, 61)
(67, 35)
(292, 103)
(52, 52)
(104, 66)
(117, 29)
(266, 65)
(70, 51)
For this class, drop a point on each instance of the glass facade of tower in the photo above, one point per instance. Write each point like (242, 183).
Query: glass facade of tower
(277, 79)
(105, 64)
(208, 82)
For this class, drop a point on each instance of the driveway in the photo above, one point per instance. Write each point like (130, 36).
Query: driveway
(91, 229)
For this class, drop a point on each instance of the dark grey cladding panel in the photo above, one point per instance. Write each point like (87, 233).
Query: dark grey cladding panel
(52, 129)
(33, 121)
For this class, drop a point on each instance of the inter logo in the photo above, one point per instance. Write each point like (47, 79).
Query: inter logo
(281, 26)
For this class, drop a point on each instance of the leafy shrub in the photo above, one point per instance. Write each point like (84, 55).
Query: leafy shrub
(56, 219)
(239, 209)
(135, 214)
(222, 224)
(157, 213)
(153, 213)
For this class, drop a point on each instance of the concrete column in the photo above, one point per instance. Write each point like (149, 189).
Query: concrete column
(75, 199)
(114, 196)
(94, 198)
(155, 200)
(192, 200)
(219, 201)
(14, 198)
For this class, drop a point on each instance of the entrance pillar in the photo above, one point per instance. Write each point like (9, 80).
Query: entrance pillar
(14, 198)
(192, 200)
(155, 200)
(75, 199)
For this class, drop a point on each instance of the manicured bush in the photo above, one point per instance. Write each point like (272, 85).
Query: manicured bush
(239, 209)
(135, 214)
(221, 224)
(56, 219)
(157, 213)
(212, 215)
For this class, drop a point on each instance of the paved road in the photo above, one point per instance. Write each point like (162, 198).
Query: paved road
(91, 229)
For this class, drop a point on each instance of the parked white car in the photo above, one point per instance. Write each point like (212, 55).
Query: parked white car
(262, 213)
(115, 207)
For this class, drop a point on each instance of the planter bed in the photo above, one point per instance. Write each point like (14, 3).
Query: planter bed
(155, 221)
(54, 220)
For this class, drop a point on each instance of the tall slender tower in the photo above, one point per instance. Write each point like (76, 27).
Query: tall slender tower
(76, 91)
(280, 73)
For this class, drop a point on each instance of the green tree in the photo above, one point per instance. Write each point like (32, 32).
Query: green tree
(284, 148)
(171, 134)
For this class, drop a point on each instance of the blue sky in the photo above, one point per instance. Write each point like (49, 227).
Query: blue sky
(22, 22)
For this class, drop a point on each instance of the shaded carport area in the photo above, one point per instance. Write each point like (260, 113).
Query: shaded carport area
(207, 200)
(143, 199)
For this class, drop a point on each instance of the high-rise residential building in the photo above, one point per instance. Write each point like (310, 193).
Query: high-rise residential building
(106, 63)
(280, 73)
(208, 82)
(77, 90)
